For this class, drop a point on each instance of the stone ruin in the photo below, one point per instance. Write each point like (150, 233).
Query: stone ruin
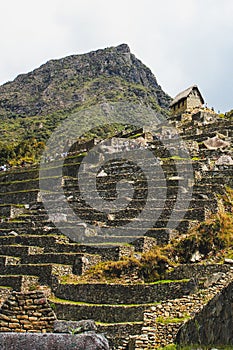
(27, 321)
(34, 253)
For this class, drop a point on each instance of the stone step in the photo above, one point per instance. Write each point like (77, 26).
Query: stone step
(22, 224)
(159, 150)
(107, 252)
(35, 223)
(30, 230)
(195, 208)
(205, 134)
(26, 197)
(32, 240)
(208, 131)
(168, 163)
(111, 240)
(111, 179)
(210, 154)
(84, 212)
(9, 260)
(21, 246)
(135, 204)
(33, 217)
(68, 310)
(19, 251)
(107, 241)
(197, 271)
(220, 173)
(5, 210)
(18, 185)
(110, 189)
(22, 197)
(127, 234)
(19, 283)
(45, 272)
(161, 233)
(168, 195)
(217, 180)
(118, 333)
(156, 184)
(80, 262)
(81, 215)
(19, 174)
(41, 236)
(208, 188)
(122, 294)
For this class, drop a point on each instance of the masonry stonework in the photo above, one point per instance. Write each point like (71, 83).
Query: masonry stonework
(26, 312)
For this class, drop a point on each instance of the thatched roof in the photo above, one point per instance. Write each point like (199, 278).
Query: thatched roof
(184, 94)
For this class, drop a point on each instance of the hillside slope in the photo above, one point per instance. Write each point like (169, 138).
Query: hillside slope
(32, 105)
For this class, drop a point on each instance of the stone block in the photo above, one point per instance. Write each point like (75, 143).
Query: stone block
(40, 341)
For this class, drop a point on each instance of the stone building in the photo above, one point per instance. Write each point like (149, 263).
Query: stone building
(186, 100)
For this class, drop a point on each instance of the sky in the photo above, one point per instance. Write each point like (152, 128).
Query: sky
(183, 42)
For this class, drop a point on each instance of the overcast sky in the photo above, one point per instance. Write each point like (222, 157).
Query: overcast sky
(183, 42)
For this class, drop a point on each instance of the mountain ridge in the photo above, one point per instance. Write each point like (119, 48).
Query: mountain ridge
(33, 104)
(57, 84)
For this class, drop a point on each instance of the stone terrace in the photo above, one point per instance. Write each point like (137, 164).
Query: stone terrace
(34, 252)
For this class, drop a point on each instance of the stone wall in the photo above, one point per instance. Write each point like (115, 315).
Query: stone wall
(119, 336)
(193, 100)
(19, 282)
(144, 244)
(180, 107)
(196, 271)
(119, 294)
(26, 312)
(213, 325)
(102, 313)
(19, 174)
(164, 320)
(4, 294)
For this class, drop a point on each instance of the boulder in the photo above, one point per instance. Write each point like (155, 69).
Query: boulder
(224, 160)
(61, 326)
(52, 341)
(215, 143)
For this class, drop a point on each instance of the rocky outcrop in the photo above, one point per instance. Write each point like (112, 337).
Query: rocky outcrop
(213, 324)
(71, 81)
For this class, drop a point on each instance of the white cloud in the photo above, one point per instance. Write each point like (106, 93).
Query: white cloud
(182, 41)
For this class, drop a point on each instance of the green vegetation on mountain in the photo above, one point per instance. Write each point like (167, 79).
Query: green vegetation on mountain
(229, 115)
(34, 104)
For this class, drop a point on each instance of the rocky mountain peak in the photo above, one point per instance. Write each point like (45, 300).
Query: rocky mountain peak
(67, 83)
(124, 48)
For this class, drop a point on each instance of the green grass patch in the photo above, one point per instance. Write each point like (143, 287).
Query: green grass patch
(79, 303)
(167, 320)
(170, 281)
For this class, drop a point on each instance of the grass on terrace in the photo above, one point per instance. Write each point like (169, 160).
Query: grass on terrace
(195, 347)
(212, 239)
